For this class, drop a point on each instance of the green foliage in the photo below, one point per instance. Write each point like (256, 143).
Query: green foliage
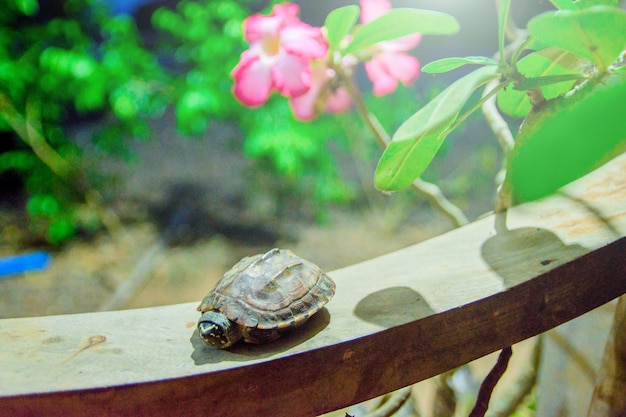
(416, 142)
(449, 64)
(503, 16)
(597, 34)
(299, 152)
(75, 59)
(339, 24)
(205, 37)
(400, 22)
(539, 65)
(580, 44)
(568, 137)
(582, 4)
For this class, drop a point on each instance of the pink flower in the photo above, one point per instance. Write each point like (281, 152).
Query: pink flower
(281, 48)
(390, 63)
(322, 96)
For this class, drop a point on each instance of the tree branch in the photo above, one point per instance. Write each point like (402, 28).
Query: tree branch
(486, 388)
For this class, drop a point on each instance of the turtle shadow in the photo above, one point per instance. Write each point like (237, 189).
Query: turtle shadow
(240, 352)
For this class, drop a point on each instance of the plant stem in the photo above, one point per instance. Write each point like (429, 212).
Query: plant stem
(518, 38)
(28, 128)
(427, 189)
(505, 138)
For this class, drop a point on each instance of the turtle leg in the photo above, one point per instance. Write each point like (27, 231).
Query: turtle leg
(258, 336)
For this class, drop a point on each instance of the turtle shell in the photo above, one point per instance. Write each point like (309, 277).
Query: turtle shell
(275, 290)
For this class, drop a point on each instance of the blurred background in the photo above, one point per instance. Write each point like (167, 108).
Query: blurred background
(125, 157)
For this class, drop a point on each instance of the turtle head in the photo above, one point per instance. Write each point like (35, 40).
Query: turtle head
(217, 330)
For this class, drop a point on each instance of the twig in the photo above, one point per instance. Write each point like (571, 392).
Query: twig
(28, 129)
(486, 388)
(429, 190)
(436, 198)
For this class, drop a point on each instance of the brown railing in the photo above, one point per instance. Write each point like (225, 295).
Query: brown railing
(395, 320)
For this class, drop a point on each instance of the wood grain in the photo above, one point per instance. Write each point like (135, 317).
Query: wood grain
(395, 320)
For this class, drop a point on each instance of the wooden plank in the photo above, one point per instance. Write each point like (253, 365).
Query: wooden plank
(395, 320)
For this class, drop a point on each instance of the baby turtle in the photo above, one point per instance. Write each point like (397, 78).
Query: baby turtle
(261, 297)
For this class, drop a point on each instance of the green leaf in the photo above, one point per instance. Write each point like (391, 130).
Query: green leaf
(513, 102)
(582, 4)
(339, 23)
(530, 83)
(569, 137)
(565, 4)
(449, 64)
(503, 15)
(539, 66)
(416, 142)
(400, 22)
(597, 33)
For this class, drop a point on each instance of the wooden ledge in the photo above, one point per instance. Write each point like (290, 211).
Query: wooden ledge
(394, 321)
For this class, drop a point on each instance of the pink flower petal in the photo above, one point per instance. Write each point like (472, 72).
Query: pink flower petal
(281, 47)
(402, 67)
(304, 40)
(253, 80)
(371, 9)
(257, 27)
(382, 82)
(339, 101)
(287, 11)
(319, 97)
(291, 75)
(385, 69)
(304, 105)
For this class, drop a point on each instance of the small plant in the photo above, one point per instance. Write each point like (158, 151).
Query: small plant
(565, 76)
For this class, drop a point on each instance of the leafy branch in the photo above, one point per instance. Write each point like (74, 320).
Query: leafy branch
(568, 53)
(429, 190)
